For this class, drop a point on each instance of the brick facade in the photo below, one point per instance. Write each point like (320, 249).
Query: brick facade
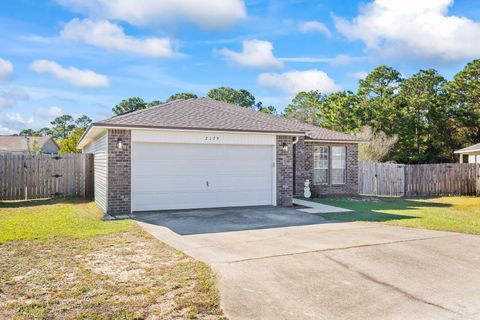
(304, 170)
(119, 173)
(290, 174)
(284, 171)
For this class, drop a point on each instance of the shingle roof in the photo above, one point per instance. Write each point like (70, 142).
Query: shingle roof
(208, 114)
(475, 147)
(19, 143)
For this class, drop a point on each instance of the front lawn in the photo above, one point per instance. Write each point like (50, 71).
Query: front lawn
(458, 214)
(58, 260)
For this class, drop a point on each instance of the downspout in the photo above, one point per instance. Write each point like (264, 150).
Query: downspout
(294, 166)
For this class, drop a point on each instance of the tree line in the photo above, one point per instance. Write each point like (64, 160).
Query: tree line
(419, 119)
(66, 131)
(241, 97)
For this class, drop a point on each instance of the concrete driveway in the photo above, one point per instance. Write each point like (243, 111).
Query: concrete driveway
(279, 263)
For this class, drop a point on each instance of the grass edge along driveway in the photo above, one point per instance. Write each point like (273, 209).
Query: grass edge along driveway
(456, 214)
(59, 260)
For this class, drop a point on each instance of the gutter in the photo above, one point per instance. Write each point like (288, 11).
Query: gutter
(133, 127)
(138, 127)
(466, 152)
(337, 141)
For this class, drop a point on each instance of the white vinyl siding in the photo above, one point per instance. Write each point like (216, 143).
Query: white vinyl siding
(339, 165)
(99, 149)
(473, 158)
(320, 165)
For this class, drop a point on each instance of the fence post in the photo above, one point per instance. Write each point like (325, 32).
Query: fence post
(24, 177)
(477, 174)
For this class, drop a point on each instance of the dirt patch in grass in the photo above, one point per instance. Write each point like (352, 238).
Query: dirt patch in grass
(126, 275)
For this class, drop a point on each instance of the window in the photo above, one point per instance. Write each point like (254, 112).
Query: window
(339, 165)
(320, 165)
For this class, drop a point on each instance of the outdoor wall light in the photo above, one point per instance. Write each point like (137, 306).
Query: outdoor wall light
(119, 143)
(285, 147)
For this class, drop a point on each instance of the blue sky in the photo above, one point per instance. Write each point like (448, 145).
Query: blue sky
(83, 57)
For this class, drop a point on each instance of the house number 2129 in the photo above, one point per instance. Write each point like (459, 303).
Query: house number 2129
(212, 138)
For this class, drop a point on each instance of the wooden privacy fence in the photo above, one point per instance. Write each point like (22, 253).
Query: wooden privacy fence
(387, 179)
(43, 176)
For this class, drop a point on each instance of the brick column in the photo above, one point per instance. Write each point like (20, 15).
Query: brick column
(284, 171)
(352, 168)
(119, 173)
(301, 173)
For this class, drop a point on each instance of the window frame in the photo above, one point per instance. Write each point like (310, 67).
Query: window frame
(329, 168)
(344, 168)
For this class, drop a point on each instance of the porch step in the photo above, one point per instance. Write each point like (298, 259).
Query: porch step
(315, 207)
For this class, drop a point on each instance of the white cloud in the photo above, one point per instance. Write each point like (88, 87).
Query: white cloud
(421, 29)
(292, 82)
(6, 70)
(340, 59)
(208, 14)
(6, 131)
(255, 53)
(107, 35)
(48, 112)
(71, 75)
(11, 97)
(37, 39)
(315, 26)
(11, 123)
(358, 75)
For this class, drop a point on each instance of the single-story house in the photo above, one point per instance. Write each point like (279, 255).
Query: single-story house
(28, 145)
(469, 154)
(202, 153)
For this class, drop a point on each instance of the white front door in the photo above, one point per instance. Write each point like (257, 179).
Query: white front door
(183, 176)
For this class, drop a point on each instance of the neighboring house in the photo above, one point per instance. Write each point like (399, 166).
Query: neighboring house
(469, 154)
(28, 145)
(201, 153)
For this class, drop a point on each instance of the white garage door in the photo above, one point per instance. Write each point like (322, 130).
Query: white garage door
(184, 176)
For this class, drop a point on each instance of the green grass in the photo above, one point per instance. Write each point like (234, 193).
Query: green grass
(44, 219)
(458, 214)
(59, 260)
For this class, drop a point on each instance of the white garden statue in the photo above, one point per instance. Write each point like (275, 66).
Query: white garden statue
(306, 189)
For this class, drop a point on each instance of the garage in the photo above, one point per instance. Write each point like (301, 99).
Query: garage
(168, 176)
(202, 153)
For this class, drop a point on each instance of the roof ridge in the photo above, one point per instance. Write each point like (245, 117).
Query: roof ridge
(313, 127)
(136, 112)
(253, 113)
(231, 106)
(303, 126)
(209, 114)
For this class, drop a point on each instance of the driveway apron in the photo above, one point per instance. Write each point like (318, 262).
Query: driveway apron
(279, 263)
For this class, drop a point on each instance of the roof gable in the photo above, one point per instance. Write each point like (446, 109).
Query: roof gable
(19, 143)
(197, 114)
(474, 148)
(208, 114)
